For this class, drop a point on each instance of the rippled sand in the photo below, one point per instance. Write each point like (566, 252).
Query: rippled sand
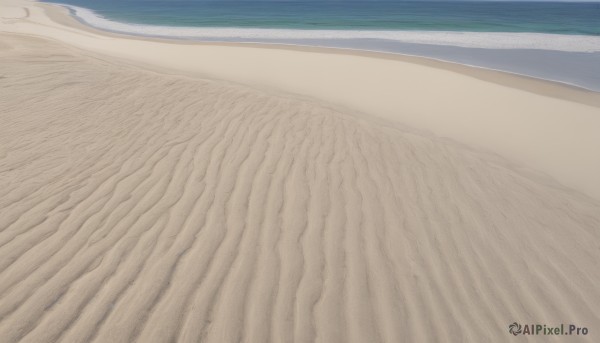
(138, 206)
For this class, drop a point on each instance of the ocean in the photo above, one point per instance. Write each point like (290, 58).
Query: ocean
(471, 16)
(558, 41)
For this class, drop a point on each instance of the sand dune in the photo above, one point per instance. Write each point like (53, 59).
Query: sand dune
(138, 206)
(540, 125)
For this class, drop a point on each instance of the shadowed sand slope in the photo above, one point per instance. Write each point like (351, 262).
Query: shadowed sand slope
(137, 206)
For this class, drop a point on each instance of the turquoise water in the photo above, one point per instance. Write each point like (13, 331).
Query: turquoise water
(540, 17)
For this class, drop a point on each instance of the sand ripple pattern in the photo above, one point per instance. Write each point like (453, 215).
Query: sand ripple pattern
(143, 207)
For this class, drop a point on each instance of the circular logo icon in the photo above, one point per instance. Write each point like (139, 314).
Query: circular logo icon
(515, 328)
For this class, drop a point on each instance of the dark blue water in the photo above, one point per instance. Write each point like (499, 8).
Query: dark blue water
(542, 17)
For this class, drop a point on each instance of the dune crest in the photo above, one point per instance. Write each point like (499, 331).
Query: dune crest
(137, 206)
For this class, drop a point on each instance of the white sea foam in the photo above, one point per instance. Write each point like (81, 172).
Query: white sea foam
(488, 40)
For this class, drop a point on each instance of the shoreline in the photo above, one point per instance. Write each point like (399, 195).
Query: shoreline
(506, 78)
(563, 41)
(307, 47)
(472, 106)
(447, 49)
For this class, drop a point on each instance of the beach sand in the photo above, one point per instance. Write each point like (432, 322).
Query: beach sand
(157, 192)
